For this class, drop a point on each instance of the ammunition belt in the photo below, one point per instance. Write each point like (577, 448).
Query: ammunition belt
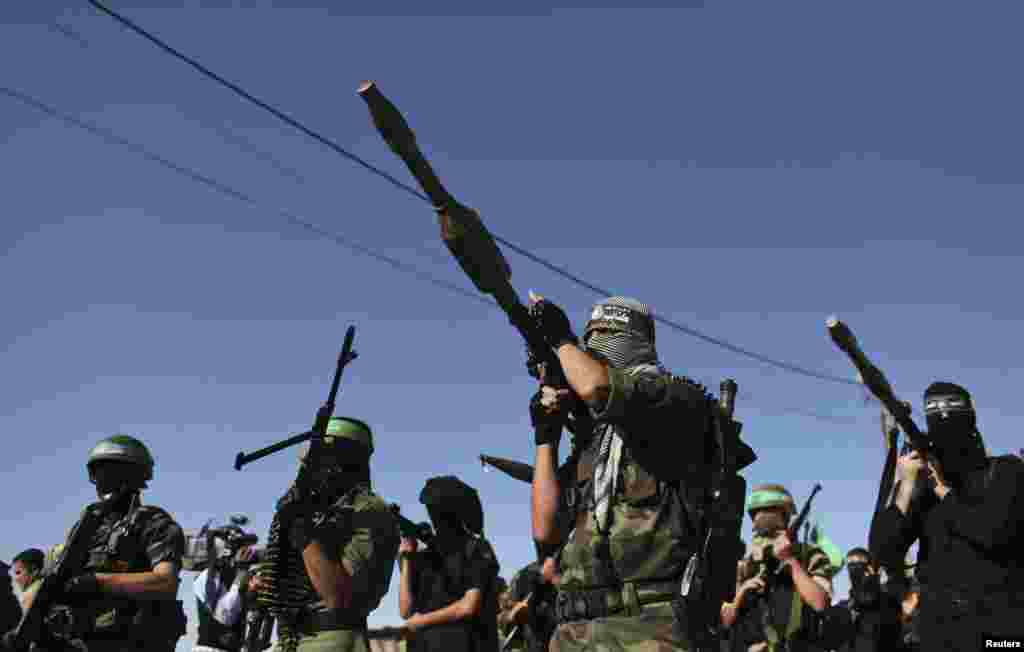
(607, 601)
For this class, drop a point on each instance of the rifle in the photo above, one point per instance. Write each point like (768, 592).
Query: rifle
(710, 575)
(34, 627)
(772, 566)
(472, 245)
(315, 434)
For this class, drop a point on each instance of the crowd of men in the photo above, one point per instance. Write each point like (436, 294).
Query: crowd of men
(618, 529)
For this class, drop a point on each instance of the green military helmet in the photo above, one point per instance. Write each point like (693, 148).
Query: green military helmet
(770, 495)
(122, 448)
(341, 429)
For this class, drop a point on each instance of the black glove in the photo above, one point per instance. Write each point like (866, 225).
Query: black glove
(547, 428)
(84, 585)
(553, 324)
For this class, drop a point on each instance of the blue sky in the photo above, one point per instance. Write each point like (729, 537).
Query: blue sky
(748, 169)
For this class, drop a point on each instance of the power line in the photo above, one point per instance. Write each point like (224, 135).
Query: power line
(402, 186)
(224, 189)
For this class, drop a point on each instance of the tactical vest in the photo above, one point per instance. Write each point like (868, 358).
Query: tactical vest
(654, 550)
(117, 547)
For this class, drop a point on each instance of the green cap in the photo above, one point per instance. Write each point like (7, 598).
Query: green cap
(122, 448)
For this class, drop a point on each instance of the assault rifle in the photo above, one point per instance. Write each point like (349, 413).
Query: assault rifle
(710, 576)
(473, 247)
(34, 626)
(771, 562)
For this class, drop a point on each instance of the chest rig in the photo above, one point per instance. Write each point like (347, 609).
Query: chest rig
(117, 547)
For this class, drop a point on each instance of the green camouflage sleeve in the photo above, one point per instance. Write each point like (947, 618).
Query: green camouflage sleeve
(655, 410)
(369, 552)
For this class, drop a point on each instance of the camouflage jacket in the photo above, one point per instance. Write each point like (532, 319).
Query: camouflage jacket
(775, 610)
(363, 534)
(664, 423)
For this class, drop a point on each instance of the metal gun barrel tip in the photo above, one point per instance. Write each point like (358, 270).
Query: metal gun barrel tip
(239, 461)
(365, 86)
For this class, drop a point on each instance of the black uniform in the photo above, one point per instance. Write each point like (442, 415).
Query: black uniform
(10, 609)
(971, 555)
(441, 576)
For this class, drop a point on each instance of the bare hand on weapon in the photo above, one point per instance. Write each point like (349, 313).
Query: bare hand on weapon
(909, 466)
(753, 585)
(935, 471)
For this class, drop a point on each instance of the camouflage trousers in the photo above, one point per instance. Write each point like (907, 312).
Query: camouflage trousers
(342, 640)
(650, 631)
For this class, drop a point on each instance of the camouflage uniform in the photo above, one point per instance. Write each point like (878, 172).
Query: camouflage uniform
(778, 620)
(363, 532)
(631, 569)
(360, 531)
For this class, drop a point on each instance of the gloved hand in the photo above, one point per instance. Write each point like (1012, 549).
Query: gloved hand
(548, 414)
(84, 585)
(552, 321)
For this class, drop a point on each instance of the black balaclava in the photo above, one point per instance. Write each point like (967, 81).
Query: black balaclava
(952, 428)
(454, 508)
(626, 337)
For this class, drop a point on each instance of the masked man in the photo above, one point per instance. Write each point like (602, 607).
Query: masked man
(631, 535)
(869, 619)
(782, 587)
(970, 525)
(448, 592)
(124, 598)
(347, 538)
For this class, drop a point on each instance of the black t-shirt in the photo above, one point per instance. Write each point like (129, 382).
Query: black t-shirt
(441, 578)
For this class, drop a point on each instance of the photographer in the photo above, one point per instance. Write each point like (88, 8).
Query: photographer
(221, 589)
(782, 587)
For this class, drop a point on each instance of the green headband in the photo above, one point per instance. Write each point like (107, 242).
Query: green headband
(762, 499)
